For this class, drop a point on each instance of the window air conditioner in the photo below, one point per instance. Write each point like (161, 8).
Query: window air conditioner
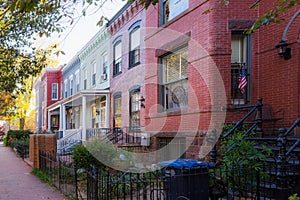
(104, 76)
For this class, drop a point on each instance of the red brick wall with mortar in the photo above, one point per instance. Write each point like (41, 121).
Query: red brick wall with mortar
(211, 31)
(41, 142)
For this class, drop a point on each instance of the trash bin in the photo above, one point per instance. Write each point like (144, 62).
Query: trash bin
(185, 179)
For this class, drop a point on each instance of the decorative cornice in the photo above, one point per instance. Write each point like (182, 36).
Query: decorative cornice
(71, 64)
(94, 43)
(124, 15)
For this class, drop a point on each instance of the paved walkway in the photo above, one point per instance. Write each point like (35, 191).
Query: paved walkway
(16, 181)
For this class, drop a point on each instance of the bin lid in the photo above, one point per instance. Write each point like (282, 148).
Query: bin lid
(183, 163)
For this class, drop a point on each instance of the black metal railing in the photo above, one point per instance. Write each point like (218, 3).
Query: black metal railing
(60, 171)
(256, 124)
(168, 183)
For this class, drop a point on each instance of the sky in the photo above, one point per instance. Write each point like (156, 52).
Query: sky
(81, 31)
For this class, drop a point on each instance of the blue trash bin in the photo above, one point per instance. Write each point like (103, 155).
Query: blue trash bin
(185, 179)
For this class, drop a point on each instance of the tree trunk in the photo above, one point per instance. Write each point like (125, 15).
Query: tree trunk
(22, 123)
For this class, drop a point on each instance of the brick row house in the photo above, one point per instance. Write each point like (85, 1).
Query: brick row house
(171, 73)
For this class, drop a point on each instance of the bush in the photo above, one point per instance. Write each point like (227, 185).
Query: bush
(17, 135)
(5, 140)
(83, 158)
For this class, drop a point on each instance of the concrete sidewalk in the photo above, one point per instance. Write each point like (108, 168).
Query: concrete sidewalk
(16, 181)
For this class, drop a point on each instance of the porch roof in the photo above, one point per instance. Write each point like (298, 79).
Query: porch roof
(75, 100)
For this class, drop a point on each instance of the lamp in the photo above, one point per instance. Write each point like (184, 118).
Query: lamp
(283, 50)
(142, 100)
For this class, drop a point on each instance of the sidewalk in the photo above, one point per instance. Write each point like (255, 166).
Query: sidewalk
(16, 181)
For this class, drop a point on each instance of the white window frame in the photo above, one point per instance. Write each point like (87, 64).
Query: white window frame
(71, 85)
(77, 77)
(54, 92)
(65, 88)
(85, 78)
(94, 69)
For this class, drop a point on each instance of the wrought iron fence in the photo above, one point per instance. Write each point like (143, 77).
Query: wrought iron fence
(61, 172)
(275, 181)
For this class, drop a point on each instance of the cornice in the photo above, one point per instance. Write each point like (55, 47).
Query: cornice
(124, 15)
(94, 43)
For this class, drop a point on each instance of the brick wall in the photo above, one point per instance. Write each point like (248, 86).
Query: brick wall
(41, 142)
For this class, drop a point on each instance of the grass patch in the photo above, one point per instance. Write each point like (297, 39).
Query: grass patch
(42, 176)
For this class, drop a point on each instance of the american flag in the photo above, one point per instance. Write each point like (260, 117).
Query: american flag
(242, 81)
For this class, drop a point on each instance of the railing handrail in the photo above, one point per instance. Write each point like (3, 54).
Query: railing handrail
(241, 121)
(291, 128)
(76, 131)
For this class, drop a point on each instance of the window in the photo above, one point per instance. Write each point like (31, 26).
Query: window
(54, 121)
(77, 80)
(85, 79)
(172, 148)
(94, 124)
(134, 54)
(94, 73)
(117, 58)
(66, 88)
(135, 109)
(54, 91)
(117, 111)
(102, 113)
(240, 64)
(71, 85)
(174, 80)
(172, 8)
(104, 67)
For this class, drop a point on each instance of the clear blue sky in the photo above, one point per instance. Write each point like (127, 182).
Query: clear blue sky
(81, 31)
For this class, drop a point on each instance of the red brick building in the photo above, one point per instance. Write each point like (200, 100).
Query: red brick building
(194, 62)
(49, 92)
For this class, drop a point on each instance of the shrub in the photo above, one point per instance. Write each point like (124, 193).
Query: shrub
(17, 135)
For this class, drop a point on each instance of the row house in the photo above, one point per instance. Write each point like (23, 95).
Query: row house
(127, 86)
(198, 51)
(172, 72)
(48, 92)
(85, 90)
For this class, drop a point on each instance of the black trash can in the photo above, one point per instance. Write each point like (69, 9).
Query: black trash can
(185, 179)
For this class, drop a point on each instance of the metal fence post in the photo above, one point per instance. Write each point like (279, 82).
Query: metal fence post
(281, 176)
(259, 129)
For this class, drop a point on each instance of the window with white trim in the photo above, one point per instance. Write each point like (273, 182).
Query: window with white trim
(71, 85)
(135, 107)
(117, 69)
(84, 79)
(54, 92)
(104, 67)
(134, 54)
(66, 88)
(175, 80)
(77, 80)
(117, 111)
(94, 73)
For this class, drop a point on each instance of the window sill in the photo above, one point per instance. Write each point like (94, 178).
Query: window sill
(117, 74)
(174, 112)
(134, 65)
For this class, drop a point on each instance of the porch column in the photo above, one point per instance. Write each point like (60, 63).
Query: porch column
(83, 118)
(49, 121)
(107, 111)
(61, 118)
(64, 119)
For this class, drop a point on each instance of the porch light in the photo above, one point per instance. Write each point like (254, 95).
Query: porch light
(142, 100)
(283, 50)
